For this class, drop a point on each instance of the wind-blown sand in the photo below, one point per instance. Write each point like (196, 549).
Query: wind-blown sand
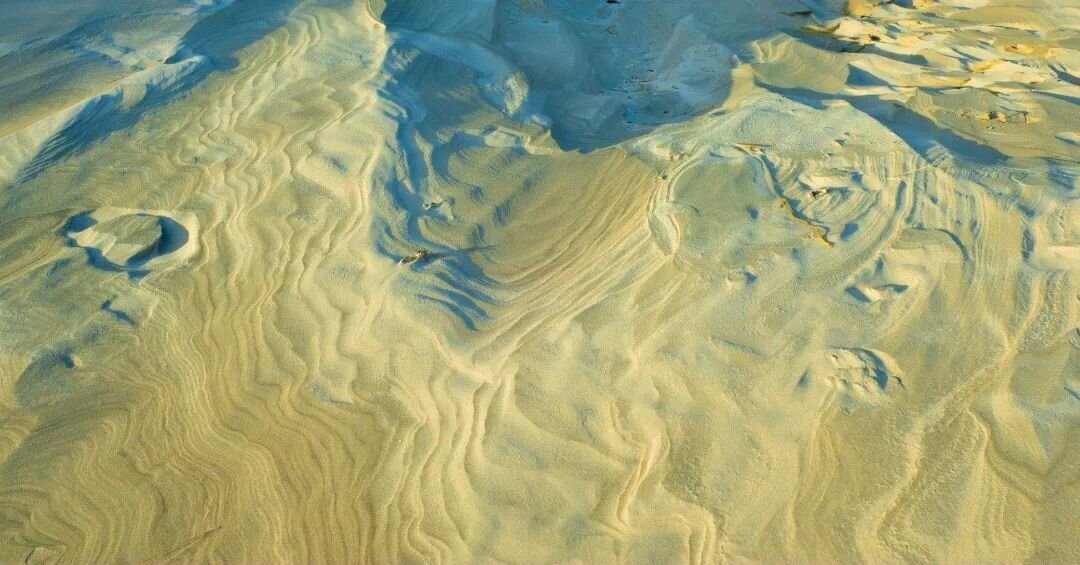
(540, 281)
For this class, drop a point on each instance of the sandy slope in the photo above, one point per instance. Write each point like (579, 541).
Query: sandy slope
(540, 280)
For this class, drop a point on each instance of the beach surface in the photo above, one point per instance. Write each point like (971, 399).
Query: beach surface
(540, 281)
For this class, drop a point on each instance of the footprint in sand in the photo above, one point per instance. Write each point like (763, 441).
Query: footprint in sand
(869, 293)
(1053, 241)
(859, 376)
(133, 241)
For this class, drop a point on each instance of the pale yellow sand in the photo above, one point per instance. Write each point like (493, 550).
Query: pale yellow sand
(541, 281)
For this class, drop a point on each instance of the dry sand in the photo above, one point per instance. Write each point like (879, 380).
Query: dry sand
(537, 281)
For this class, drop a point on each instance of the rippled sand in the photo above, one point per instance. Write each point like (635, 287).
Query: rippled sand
(540, 281)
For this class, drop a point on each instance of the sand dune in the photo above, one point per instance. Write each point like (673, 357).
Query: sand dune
(540, 281)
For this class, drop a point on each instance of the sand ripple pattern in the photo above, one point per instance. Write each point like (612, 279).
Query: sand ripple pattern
(531, 281)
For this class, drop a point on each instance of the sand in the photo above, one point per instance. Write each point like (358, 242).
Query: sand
(533, 281)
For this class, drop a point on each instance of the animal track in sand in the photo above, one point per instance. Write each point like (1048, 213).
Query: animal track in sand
(132, 241)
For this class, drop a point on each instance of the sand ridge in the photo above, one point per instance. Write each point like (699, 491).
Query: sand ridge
(541, 281)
